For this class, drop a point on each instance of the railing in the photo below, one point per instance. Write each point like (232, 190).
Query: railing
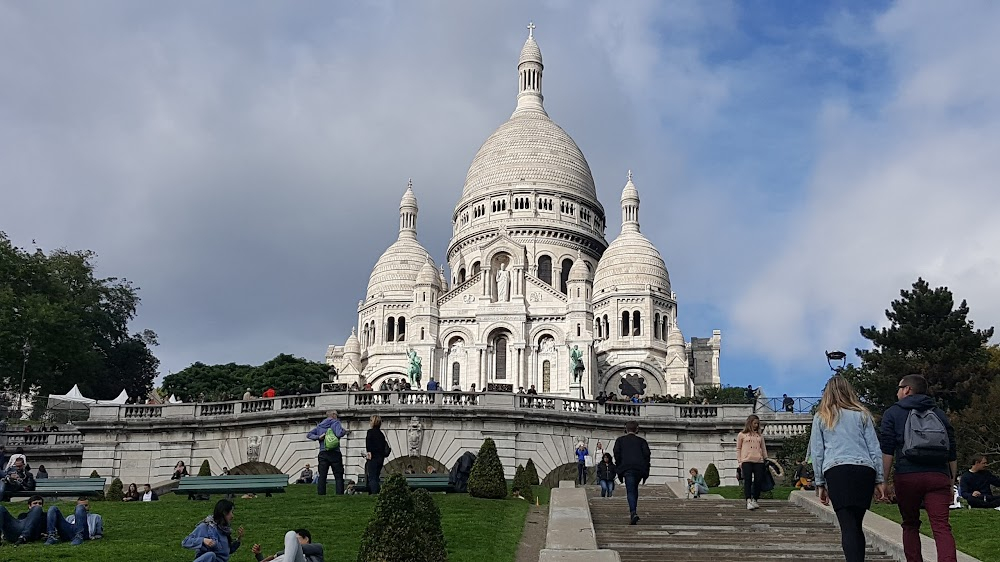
(791, 405)
(776, 424)
(38, 439)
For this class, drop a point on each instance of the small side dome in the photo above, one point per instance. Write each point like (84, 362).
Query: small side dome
(675, 337)
(428, 275)
(579, 271)
(353, 346)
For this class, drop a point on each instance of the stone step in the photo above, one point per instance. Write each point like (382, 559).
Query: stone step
(713, 530)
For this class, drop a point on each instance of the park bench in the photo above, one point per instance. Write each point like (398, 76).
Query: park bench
(63, 487)
(233, 484)
(429, 482)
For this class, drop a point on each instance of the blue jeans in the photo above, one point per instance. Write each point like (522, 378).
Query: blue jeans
(373, 472)
(632, 490)
(207, 557)
(607, 488)
(64, 530)
(30, 527)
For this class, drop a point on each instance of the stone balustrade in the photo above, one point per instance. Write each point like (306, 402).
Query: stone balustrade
(775, 424)
(66, 439)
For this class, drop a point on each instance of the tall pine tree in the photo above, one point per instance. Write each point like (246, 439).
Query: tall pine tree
(927, 335)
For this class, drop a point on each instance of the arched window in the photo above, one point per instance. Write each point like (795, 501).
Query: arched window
(607, 327)
(390, 330)
(461, 275)
(500, 348)
(401, 329)
(625, 330)
(567, 264)
(636, 324)
(546, 377)
(545, 269)
(597, 327)
(456, 372)
(421, 333)
(656, 326)
(475, 269)
(578, 330)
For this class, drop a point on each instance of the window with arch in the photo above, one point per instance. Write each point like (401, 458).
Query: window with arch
(476, 268)
(545, 269)
(625, 324)
(567, 264)
(607, 327)
(597, 327)
(578, 330)
(546, 377)
(656, 326)
(461, 275)
(500, 352)
(390, 329)
(636, 324)
(422, 333)
(401, 329)
(456, 375)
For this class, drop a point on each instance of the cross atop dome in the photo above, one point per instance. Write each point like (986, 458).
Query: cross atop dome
(531, 29)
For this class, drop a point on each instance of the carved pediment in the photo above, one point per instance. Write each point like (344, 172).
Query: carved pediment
(539, 292)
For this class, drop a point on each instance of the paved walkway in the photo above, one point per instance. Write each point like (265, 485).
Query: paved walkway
(712, 530)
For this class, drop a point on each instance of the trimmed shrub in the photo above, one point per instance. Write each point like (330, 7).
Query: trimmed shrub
(531, 473)
(115, 492)
(518, 473)
(523, 485)
(428, 518)
(99, 496)
(393, 534)
(712, 476)
(205, 469)
(486, 479)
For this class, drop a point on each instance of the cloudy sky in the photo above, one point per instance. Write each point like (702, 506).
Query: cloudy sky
(242, 162)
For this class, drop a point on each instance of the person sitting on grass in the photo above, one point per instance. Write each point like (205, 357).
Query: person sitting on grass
(696, 484)
(298, 548)
(132, 494)
(212, 539)
(975, 484)
(17, 478)
(75, 530)
(148, 495)
(306, 476)
(26, 527)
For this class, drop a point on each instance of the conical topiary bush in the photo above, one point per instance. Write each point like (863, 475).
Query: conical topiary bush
(115, 492)
(393, 533)
(486, 479)
(428, 517)
(205, 469)
(531, 473)
(100, 495)
(523, 485)
(712, 476)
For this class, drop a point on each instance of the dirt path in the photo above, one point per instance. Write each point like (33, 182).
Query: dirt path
(533, 537)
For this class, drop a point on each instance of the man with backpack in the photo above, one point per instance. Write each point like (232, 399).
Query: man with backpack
(919, 438)
(329, 432)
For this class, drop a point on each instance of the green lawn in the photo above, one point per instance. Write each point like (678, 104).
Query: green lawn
(736, 492)
(975, 530)
(153, 531)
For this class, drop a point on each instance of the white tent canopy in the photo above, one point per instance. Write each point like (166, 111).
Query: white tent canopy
(75, 400)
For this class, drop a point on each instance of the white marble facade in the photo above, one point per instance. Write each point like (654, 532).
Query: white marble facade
(530, 276)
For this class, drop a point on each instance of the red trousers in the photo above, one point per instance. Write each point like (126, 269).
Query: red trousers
(934, 490)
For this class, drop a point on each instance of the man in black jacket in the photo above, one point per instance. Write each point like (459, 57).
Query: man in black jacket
(975, 485)
(632, 460)
(920, 477)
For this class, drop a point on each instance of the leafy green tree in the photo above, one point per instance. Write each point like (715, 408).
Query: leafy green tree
(285, 373)
(428, 518)
(393, 534)
(531, 473)
(929, 335)
(712, 476)
(486, 479)
(977, 427)
(723, 395)
(75, 325)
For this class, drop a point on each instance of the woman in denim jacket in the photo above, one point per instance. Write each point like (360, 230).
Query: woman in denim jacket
(847, 461)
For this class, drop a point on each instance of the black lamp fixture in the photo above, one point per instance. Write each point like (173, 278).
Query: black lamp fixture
(836, 356)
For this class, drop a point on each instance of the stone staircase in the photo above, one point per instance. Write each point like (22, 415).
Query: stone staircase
(712, 530)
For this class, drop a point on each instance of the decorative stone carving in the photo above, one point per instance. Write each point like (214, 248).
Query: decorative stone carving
(503, 284)
(253, 449)
(414, 436)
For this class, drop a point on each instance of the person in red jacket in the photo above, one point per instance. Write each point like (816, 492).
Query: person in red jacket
(269, 393)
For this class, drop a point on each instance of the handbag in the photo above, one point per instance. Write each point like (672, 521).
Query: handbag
(588, 461)
(388, 450)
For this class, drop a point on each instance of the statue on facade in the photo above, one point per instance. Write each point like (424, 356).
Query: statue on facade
(576, 363)
(414, 435)
(414, 371)
(503, 284)
(253, 449)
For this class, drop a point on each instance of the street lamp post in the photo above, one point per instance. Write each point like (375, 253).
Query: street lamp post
(836, 356)
(24, 369)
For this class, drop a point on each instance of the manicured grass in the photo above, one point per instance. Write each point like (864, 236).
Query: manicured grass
(975, 530)
(736, 492)
(152, 531)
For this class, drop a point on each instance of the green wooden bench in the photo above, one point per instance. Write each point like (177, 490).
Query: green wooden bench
(63, 487)
(429, 482)
(233, 484)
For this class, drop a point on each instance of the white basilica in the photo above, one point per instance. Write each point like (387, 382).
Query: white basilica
(531, 278)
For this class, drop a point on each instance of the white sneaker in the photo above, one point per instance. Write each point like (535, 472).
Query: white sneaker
(997, 508)
(750, 504)
(755, 504)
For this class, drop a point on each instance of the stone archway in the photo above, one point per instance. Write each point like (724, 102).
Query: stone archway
(566, 472)
(420, 465)
(255, 468)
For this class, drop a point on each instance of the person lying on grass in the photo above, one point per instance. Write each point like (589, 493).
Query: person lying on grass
(298, 548)
(212, 540)
(27, 526)
(80, 526)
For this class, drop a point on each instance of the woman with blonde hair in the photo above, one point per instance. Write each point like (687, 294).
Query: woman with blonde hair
(751, 452)
(847, 461)
(377, 448)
